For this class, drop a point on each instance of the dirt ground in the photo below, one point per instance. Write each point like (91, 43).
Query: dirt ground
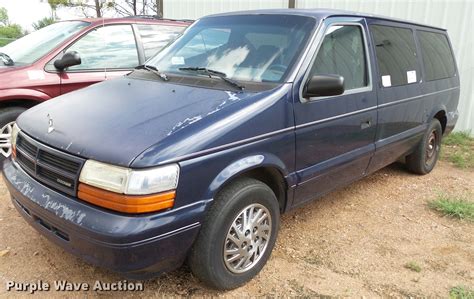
(353, 242)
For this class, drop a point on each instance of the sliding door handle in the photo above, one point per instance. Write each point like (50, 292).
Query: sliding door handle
(366, 124)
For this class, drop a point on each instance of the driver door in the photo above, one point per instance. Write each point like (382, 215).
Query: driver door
(107, 49)
(335, 135)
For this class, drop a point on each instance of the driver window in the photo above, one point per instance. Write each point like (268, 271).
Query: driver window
(342, 53)
(111, 47)
(204, 42)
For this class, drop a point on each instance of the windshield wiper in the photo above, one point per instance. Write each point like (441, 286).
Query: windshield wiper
(154, 70)
(6, 59)
(210, 73)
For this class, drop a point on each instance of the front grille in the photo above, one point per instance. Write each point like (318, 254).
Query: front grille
(54, 168)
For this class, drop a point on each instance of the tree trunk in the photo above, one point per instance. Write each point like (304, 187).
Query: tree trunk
(159, 8)
(134, 7)
(97, 9)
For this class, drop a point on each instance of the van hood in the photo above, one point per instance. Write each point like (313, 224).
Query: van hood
(115, 121)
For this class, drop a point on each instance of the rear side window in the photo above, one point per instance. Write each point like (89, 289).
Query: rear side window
(437, 56)
(342, 53)
(396, 55)
(155, 37)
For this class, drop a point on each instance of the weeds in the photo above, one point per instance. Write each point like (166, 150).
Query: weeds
(413, 266)
(461, 292)
(453, 206)
(459, 149)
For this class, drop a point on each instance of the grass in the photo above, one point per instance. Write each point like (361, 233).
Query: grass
(458, 148)
(453, 206)
(303, 292)
(461, 292)
(413, 266)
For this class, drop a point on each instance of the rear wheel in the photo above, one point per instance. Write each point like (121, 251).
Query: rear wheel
(238, 235)
(424, 158)
(7, 119)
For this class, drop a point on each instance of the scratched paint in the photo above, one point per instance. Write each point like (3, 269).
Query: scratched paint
(59, 209)
(232, 97)
(62, 210)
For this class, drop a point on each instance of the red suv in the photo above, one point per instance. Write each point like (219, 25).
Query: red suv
(69, 55)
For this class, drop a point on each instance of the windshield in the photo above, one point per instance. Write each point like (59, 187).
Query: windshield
(258, 48)
(35, 45)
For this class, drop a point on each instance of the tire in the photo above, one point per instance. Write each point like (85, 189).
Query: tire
(426, 154)
(206, 258)
(7, 116)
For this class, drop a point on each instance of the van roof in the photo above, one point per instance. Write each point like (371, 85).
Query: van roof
(322, 14)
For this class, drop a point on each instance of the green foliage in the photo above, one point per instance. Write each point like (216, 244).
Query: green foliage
(4, 41)
(43, 23)
(12, 31)
(461, 292)
(56, 3)
(459, 149)
(453, 206)
(4, 16)
(458, 138)
(8, 32)
(413, 266)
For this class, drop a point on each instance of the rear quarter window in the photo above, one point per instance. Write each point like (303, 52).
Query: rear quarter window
(437, 56)
(396, 55)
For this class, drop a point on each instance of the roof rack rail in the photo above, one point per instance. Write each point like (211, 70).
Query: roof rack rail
(158, 18)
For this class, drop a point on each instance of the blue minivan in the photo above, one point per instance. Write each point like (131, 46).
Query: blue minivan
(195, 154)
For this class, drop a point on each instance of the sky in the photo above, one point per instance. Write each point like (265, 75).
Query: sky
(26, 12)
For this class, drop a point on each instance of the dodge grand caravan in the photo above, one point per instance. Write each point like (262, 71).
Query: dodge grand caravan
(245, 116)
(69, 55)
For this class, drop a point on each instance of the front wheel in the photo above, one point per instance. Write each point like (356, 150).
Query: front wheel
(7, 120)
(424, 158)
(237, 236)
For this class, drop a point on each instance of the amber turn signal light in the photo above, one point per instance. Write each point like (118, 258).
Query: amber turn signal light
(133, 204)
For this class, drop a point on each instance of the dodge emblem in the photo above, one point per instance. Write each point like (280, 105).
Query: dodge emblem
(50, 124)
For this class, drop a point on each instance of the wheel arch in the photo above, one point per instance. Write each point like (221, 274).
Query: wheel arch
(440, 114)
(265, 168)
(25, 103)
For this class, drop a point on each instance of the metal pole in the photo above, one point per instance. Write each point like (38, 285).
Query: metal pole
(291, 3)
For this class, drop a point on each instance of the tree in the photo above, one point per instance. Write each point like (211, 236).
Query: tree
(43, 23)
(120, 7)
(4, 20)
(98, 6)
(159, 8)
(8, 31)
(140, 7)
(54, 4)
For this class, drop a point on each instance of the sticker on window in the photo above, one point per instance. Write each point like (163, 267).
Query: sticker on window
(411, 76)
(177, 60)
(386, 81)
(35, 75)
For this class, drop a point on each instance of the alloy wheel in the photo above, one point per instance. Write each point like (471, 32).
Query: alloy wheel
(247, 238)
(5, 139)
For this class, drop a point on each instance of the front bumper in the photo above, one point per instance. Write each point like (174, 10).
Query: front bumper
(136, 246)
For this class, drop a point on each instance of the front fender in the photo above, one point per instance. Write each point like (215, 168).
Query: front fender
(23, 94)
(243, 165)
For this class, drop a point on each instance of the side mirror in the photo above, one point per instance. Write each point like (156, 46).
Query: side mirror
(323, 86)
(69, 59)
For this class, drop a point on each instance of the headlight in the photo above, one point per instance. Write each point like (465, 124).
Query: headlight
(14, 137)
(128, 190)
